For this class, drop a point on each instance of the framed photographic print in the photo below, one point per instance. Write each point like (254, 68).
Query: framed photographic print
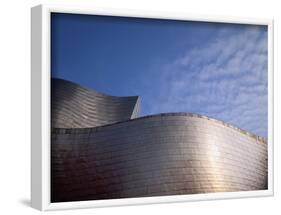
(149, 107)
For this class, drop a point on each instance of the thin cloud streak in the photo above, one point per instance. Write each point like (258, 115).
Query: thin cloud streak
(225, 79)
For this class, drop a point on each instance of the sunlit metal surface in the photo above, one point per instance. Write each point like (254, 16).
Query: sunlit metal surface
(164, 154)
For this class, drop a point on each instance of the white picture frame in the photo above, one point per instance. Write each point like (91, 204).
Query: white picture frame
(40, 71)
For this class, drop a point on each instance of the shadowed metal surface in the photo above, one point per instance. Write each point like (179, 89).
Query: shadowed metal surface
(165, 154)
(73, 106)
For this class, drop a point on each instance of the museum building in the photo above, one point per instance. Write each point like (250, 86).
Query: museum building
(102, 149)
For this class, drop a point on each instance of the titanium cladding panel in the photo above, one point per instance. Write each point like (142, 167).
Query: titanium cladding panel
(73, 106)
(166, 154)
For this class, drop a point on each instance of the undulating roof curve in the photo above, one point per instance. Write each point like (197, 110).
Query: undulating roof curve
(73, 106)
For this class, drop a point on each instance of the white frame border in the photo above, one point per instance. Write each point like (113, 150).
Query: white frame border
(40, 107)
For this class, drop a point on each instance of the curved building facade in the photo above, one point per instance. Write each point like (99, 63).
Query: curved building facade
(164, 154)
(73, 106)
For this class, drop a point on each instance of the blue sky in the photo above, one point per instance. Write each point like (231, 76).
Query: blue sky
(219, 70)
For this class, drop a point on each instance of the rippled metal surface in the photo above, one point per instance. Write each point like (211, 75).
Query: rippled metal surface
(73, 106)
(165, 154)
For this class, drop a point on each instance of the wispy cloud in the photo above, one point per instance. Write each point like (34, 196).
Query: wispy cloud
(225, 79)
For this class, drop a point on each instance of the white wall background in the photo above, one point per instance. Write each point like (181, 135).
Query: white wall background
(15, 104)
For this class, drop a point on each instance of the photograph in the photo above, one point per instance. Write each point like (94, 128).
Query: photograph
(153, 107)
